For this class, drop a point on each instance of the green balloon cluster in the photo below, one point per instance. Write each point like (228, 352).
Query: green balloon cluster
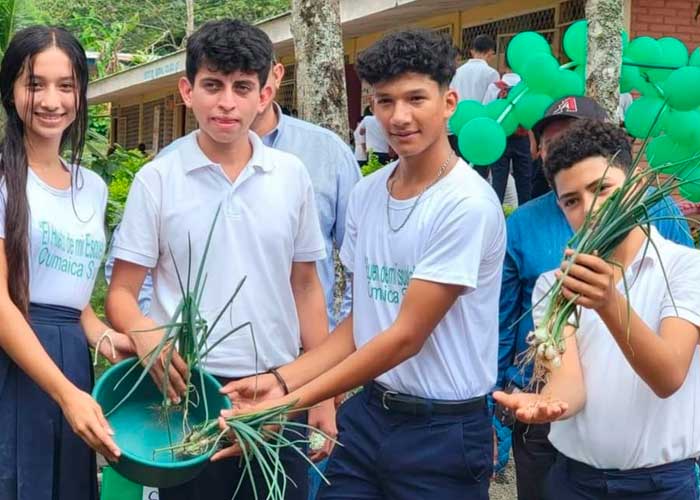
(663, 71)
(668, 77)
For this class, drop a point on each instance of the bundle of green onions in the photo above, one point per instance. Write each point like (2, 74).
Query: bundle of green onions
(634, 204)
(261, 437)
(189, 332)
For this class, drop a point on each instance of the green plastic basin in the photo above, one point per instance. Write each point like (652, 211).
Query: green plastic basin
(141, 428)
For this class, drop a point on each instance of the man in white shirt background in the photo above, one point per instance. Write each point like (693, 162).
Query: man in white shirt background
(375, 138)
(473, 78)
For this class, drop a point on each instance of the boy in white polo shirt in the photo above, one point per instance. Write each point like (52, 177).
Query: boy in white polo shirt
(267, 230)
(626, 399)
(425, 241)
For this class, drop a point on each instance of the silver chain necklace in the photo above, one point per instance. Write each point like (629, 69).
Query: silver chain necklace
(441, 172)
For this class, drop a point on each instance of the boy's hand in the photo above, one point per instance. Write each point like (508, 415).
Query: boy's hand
(532, 408)
(251, 390)
(322, 417)
(590, 281)
(145, 344)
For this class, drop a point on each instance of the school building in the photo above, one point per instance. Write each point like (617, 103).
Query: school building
(145, 105)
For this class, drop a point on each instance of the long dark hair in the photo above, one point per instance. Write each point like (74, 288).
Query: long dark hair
(19, 56)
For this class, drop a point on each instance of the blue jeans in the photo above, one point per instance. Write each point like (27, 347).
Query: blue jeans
(393, 456)
(572, 480)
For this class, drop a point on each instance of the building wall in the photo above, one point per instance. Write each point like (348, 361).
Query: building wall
(659, 18)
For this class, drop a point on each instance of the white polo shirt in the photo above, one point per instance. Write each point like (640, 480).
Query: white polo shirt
(456, 235)
(268, 220)
(473, 78)
(623, 424)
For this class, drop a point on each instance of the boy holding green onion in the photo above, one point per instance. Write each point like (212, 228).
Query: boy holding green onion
(267, 230)
(425, 239)
(624, 400)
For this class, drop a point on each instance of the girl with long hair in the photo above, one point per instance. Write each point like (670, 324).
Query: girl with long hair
(51, 245)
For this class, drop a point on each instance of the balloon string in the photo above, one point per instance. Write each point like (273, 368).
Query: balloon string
(652, 66)
(510, 106)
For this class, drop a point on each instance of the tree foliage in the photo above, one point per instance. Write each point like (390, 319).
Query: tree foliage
(154, 27)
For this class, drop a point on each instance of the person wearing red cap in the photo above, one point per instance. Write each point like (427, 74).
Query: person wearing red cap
(537, 233)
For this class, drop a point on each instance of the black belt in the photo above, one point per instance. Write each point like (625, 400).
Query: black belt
(413, 405)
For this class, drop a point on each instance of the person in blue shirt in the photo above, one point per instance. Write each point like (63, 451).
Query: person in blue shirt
(537, 234)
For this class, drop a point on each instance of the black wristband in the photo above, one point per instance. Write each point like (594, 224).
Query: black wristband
(279, 378)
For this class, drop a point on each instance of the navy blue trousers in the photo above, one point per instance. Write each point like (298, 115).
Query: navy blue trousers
(40, 456)
(572, 480)
(517, 150)
(393, 456)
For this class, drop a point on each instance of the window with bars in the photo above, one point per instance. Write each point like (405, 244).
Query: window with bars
(190, 121)
(571, 11)
(149, 111)
(286, 95)
(550, 23)
(290, 73)
(128, 131)
(445, 31)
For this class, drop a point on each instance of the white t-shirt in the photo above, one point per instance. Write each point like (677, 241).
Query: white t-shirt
(473, 78)
(67, 238)
(623, 424)
(360, 154)
(456, 235)
(268, 221)
(375, 138)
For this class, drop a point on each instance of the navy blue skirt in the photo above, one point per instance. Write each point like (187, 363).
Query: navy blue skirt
(40, 456)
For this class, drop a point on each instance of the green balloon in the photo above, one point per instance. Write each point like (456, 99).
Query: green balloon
(644, 117)
(695, 58)
(496, 108)
(576, 41)
(629, 76)
(531, 108)
(690, 191)
(625, 40)
(523, 46)
(667, 156)
(682, 88)
(466, 110)
(581, 72)
(567, 83)
(690, 177)
(673, 53)
(482, 141)
(540, 73)
(644, 50)
(683, 127)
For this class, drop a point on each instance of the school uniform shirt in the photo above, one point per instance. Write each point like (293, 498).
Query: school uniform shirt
(268, 220)
(473, 78)
(623, 424)
(375, 137)
(456, 235)
(66, 237)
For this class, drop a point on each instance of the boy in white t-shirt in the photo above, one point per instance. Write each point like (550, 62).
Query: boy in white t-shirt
(267, 231)
(425, 241)
(625, 401)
